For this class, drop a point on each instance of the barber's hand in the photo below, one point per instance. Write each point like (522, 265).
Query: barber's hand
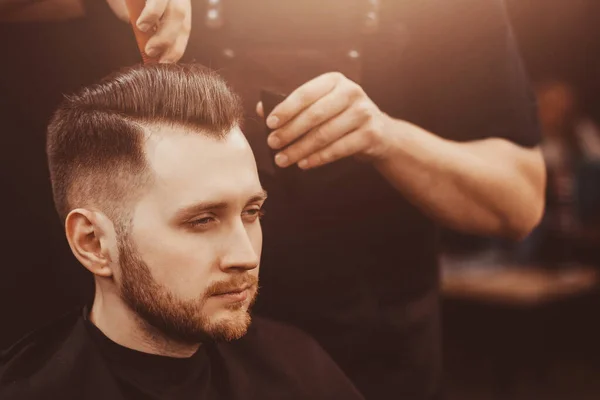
(170, 19)
(332, 118)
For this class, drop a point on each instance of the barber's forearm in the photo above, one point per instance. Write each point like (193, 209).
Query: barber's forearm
(489, 187)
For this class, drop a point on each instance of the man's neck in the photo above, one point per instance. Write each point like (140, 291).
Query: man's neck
(121, 325)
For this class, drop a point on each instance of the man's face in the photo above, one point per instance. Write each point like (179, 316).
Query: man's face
(189, 261)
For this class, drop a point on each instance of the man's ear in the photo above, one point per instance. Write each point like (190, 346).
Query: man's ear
(92, 239)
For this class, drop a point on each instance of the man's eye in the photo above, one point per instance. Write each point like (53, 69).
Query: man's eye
(254, 213)
(201, 221)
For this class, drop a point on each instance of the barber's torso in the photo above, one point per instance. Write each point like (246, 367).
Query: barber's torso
(345, 256)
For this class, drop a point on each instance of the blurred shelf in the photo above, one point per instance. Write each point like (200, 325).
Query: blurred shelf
(517, 285)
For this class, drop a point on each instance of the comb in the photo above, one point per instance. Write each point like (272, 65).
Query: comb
(287, 178)
(270, 100)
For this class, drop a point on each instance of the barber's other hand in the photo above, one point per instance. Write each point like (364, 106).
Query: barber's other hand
(331, 117)
(170, 19)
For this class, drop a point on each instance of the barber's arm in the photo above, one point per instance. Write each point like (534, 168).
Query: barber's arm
(489, 186)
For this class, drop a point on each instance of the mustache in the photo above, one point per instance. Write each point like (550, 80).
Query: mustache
(235, 284)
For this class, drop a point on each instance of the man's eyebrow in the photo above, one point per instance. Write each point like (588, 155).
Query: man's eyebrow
(190, 211)
(260, 196)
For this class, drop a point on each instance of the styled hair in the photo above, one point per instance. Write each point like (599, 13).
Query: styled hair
(95, 138)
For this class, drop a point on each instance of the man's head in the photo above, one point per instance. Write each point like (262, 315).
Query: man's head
(161, 199)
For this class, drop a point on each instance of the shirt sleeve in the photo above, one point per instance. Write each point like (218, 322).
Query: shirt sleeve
(474, 83)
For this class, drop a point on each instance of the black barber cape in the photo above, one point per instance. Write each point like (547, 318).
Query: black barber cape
(72, 359)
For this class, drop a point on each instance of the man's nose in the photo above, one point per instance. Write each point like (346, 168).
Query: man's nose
(239, 252)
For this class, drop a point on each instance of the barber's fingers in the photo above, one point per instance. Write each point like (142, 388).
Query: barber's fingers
(351, 144)
(303, 97)
(175, 52)
(151, 14)
(317, 113)
(171, 37)
(319, 138)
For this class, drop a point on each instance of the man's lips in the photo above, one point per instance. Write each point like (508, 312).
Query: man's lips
(233, 290)
(234, 295)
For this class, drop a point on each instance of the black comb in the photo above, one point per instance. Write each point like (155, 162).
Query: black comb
(270, 99)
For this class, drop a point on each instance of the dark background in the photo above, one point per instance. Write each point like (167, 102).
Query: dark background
(550, 350)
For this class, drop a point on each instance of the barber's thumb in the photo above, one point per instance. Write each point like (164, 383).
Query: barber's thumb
(151, 14)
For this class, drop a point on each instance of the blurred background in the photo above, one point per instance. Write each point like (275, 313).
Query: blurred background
(520, 319)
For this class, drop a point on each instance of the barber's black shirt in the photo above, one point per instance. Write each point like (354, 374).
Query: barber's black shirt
(346, 256)
(72, 359)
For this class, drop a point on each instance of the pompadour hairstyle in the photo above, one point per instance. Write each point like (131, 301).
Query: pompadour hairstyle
(95, 138)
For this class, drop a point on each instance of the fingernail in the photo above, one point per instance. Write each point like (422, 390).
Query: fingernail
(272, 122)
(274, 142)
(281, 159)
(152, 52)
(144, 27)
(303, 163)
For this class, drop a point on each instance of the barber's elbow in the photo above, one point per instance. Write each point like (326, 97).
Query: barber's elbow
(528, 209)
(529, 212)
(526, 221)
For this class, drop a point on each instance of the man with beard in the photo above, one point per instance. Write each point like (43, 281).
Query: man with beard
(159, 193)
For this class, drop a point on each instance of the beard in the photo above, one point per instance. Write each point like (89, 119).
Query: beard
(184, 321)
